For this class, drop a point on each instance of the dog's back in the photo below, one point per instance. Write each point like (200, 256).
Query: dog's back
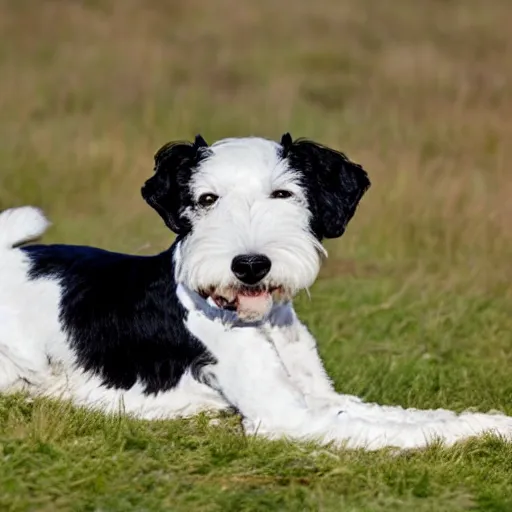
(113, 315)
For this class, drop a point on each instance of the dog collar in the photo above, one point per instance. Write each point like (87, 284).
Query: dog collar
(281, 314)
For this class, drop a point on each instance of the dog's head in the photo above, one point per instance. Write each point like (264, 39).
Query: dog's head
(251, 213)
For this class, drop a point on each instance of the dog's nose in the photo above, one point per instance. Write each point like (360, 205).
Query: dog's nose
(250, 268)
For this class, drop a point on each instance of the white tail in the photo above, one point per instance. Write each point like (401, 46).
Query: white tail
(19, 225)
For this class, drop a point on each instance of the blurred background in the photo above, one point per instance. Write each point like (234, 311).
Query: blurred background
(417, 92)
(416, 295)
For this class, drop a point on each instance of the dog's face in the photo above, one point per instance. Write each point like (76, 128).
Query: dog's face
(251, 214)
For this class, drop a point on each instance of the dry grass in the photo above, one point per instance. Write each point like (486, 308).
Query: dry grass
(418, 92)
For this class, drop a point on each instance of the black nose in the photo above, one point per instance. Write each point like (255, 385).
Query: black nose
(250, 268)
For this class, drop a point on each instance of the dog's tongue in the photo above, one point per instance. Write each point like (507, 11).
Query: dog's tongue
(253, 305)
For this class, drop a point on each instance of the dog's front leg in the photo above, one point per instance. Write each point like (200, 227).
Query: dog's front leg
(371, 425)
(249, 374)
(298, 350)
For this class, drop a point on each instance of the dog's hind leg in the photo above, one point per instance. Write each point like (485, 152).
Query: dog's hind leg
(188, 398)
(22, 360)
(18, 369)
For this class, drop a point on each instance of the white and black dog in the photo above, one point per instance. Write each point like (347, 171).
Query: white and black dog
(208, 324)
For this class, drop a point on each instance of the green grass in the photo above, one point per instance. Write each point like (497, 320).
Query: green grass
(418, 350)
(414, 305)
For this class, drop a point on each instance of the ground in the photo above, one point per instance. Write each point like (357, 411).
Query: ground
(414, 305)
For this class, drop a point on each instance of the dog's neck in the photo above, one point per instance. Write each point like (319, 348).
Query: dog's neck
(280, 315)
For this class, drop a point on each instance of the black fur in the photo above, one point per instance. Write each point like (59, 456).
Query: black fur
(333, 183)
(286, 143)
(122, 315)
(168, 191)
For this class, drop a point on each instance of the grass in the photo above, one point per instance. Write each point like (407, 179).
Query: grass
(413, 307)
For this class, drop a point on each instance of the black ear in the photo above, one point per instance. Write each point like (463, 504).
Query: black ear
(287, 143)
(334, 185)
(167, 191)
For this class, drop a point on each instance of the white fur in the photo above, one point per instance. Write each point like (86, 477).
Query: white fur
(271, 374)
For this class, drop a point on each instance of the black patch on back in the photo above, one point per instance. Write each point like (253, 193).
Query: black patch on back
(121, 315)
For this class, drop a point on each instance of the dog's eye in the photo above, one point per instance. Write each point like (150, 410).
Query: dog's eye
(281, 194)
(207, 200)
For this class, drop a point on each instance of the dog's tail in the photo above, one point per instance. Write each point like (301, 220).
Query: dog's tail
(19, 225)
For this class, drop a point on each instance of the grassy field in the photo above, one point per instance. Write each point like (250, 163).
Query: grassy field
(414, 306)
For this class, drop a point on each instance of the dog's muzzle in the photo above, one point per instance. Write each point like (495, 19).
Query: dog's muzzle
(280, 314)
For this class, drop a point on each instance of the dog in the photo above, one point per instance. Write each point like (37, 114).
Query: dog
(207, 325)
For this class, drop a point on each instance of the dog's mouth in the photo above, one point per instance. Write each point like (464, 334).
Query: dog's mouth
(249, 302)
